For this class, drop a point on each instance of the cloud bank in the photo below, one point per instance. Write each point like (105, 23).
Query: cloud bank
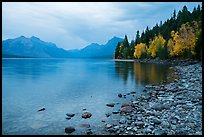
(73, 25)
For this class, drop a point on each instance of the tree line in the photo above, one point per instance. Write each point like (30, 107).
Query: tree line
(178, 37)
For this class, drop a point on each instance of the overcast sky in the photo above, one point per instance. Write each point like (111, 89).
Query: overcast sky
(74, 25)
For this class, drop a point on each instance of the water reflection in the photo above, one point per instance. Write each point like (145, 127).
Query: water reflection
(30, 67)
(142, 73)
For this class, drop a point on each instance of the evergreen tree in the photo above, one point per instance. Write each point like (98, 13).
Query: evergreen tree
(174, 15)
(132, 47)
(125, 42)
(137, 38)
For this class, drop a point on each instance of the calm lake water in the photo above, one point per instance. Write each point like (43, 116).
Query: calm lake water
(67, 86)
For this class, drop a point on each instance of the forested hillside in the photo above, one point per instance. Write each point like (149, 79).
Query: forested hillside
(178, 37)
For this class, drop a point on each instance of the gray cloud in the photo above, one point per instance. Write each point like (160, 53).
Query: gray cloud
(74, 25)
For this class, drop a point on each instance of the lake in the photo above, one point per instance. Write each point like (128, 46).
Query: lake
(67, 86)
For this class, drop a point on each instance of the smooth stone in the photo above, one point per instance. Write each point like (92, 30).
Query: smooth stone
(156, 121)
(70, 114)
(69, 129)
(85, 125)
(108, 114)
(120, 95)
(165, 124)
(116, 127)
(108, 126)
(126, 109)
(126, 104)
(89, 132)
(68, 118)
(110, 104)
(147, 130)
(159, 132)
(139, 124)
(158, 106)
(123, 120)
(173, 122)
(42, 109)
(129, 128)
(134, 129)
(86, 115)
(135, 102)
(115, 112)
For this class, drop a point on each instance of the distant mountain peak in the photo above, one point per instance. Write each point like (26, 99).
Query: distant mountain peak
(22, 37)
(113, 39)
(33, 37)
(31, 47)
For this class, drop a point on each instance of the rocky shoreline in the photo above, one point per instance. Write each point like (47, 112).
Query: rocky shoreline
(173, 62)
(166, 109)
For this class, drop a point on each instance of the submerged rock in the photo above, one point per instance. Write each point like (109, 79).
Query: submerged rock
(42, 109)
(110, 104)
(120, 95)
(115, 112)
(86, 115)
(70, 114)
(85, 125)
(69, 129)
(108, 114)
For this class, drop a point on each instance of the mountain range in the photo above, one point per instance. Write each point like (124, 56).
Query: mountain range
(36, 48)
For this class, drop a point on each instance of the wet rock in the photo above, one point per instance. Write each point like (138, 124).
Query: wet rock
(69, 129)
(174, 122)
(129, 122)
(123, 120)
(70, 114)
(68, 118)
(158, 106)
(89, 132)
(126, 104)
(85, 125)
(108, 114)
(133, 92)
(115, 112)
(108, 126)
(126, 109)
(160, 132)
(140, 124)
(110, 104)
(84, 109)
(156, 121)
(86, 115)
(129, 128)
(120, 95)
(165, 124)
(116, 127)
(147, 130)
(42, 109)
(135, 102)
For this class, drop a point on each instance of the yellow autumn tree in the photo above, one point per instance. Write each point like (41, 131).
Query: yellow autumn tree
(140, 49)
(170, 45)
(184, 41)
(156, 44)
